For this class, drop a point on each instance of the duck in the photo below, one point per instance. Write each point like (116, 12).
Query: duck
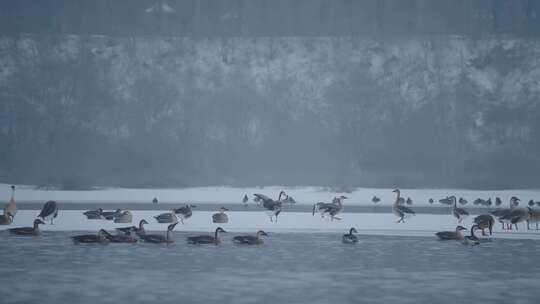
(463, 201)
(123, 217)
(137, 230)
(485, 221)
(6, 219)
(250, 239)
(375, 199)
(120, 238)
(409, 201)
(154, 200)
(446, 201)
(11, 206)
(350, 238)
(167, 218)
(471, 240)
(220, 217)
(49, 211)
(451, 235)
(273, 208)
(399, 210)
(158, 238)
(458, 213)
(184, 212)
(94, 214)
(99, 238)
(207, 239)
(332, 209)
(28, 231)
(498, 201)
(245, 199)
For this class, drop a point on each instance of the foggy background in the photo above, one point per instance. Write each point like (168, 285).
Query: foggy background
(141, 93)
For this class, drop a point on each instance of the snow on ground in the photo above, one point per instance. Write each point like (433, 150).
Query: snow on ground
(303, 195)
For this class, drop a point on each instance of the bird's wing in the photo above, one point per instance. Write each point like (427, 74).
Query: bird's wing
(405, 209)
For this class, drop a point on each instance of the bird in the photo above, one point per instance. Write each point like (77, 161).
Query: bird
(471, 240)
(220, 217)
(154, 200)
(446, 201)
(11, 206)
(28, 231)
(94, 214)
(498, 201)
(534, 217)
(502, 214)
(531, 203)
(488, 202)
(158, 238)
(431, 201)
(138, 230)
(207, 239)
(184, 212)
(463, 201)
(123, 216)
(273, 208)
(49, 211)
(409, 201)
(451, 235)
(332, 209)
(485, 221)
(458, 213)
(400, 211)
(250, 239)
(289, 200)
(110, 215)
(120, 238)
(6, 219)
(245, 199)
(517, 215)
(350, 238)
(166, 218)
(100, 237)
(375, 199)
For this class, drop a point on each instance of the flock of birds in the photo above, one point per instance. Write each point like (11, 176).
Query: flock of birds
(508, 217)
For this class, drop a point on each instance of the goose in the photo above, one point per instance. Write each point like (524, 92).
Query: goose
(49, 211)
(409, 201)
(289, 200)
(350, 238)
(332, 209)
(28, 231)
(166, 218)
(11, 207)
(400, 211)
(207, 239)
(463, 201)
(250, 239)
(484, 221)
(375, 199)
(158, 238)
(94, 214)
(245, 199)
(220, 217)
(498, 201)
(501, 214)
(273, 208)
(184, 212)
(458, 213)
(446, 201)
(451, 235)
(123, 217)
(471, 240)
(110, 215)
(534, 217)
(138, 230)
(517, 215)
(120, 238)
(100, 237)
(6, 219)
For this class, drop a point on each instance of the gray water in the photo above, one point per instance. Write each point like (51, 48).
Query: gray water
(288, 268)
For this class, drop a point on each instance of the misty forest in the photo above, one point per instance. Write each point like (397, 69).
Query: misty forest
(341, 93)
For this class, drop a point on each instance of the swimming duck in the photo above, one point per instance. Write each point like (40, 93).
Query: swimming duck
(11, 207)
(184, 212)
(350, 238)
(220, 217)
(137, 230)
(120, 238)
(332, 209)
(100, 237)
(94, 214)
(166, 218)
(28, 231)
(401, 211)
(273, 208)
(451, 235)
(250, 239)
(485, 221)
(207, 239)
(158, 238)
(49, 211)
(471, 240)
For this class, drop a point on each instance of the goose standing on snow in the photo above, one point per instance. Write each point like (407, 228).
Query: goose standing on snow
(534, 217)
(110, 215)
(94, 214)
(452, 235)
(458, 213)
(100, 238)
(273, 208)
(6, 219)
(350, 237)
(501, 214)
(167, 218)
(207, 239)
(184, 212)
(332, 209)
(220, 217)
(250, 239)
(485, 221)
(517, 215)
(11, 207)
(158, 238)
(28, 231)
(49, 211)
(401, 211)
(123, 217)
(137, 230)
